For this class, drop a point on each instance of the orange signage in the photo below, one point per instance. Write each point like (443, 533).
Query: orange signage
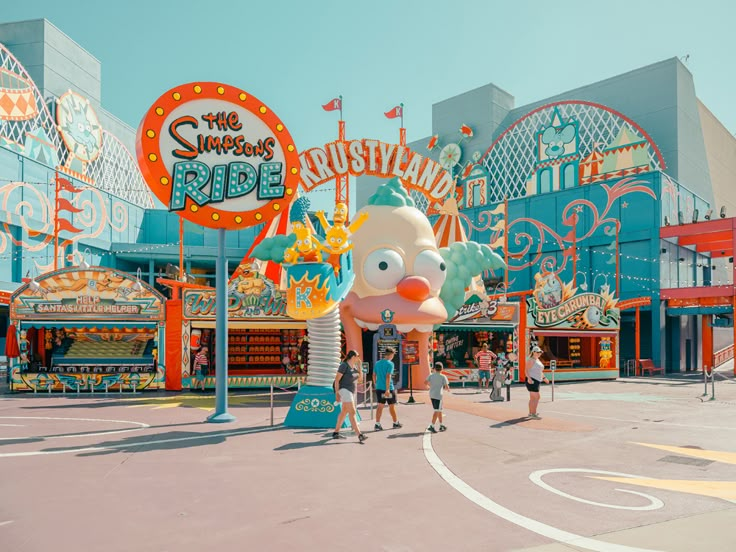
(217, 156)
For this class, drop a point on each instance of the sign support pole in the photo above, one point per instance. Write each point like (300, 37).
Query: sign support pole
(221, 414)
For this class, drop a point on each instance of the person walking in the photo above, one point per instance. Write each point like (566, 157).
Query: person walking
(484, 359)
(534, 376)
(437, 383)
(383, 380)
(200, 367)
(347, 374)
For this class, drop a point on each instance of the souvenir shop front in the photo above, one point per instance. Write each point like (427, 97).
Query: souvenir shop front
(87, 329)
(580, 331)
(264, 345)
(478, 321)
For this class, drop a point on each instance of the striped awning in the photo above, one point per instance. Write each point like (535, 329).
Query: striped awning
(500, 326)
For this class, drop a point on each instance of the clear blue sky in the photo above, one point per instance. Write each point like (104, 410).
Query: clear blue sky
(297, 54)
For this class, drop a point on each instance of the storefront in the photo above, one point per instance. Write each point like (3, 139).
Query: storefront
(264, 345)
(87, 329)
(578, 330)
(478, 321)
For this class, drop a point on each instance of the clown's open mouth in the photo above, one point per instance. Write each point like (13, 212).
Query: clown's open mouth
(403, 328)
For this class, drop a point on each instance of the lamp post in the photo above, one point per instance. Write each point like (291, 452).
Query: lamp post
(501, 298)
(605, 276)
(584, 285)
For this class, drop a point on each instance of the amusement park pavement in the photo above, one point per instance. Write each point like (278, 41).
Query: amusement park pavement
(143, 472)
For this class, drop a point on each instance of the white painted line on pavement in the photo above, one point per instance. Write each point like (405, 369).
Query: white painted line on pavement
(140, 425)
(142, 443)
(674, 424)
(654, 502)
(6, 522)
(540, 528)
(12, 425)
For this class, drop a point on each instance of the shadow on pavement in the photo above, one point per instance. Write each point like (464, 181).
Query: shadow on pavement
(187, 400)
(171, 440)
(321, 442)
(402, 435)
(99, 433)
(512, 421)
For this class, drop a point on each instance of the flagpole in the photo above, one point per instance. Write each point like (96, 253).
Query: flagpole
(402, 130)
(181, 249)
(506, 244)
(56, 221)
(342, 192)
(574, 250)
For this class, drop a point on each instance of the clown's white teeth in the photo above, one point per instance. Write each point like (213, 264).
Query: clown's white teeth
(406, 328)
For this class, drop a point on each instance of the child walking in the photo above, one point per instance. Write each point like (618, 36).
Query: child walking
(437, 383)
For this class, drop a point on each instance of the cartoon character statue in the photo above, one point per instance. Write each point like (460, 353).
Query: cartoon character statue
(555, 138)
(605, 353)
(398, 266)
(337, 236)
(306, 246)
(547, 290)
(25, 350)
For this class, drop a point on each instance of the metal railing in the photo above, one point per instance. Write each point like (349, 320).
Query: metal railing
(709, 375)
(722, 356)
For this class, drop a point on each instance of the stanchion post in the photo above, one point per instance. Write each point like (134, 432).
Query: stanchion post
(553, 368)
(705, 381)
(370, 397)
(271, 403)
(411, 387)
(713, 385)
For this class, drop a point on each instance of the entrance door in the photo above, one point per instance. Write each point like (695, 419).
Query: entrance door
(688, 355)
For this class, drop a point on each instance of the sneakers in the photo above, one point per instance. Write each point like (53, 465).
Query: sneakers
(431, 429)
(397, 425)
(378, 427)
(362, 437)
(338, 435)
(534, 416)
(443, 427)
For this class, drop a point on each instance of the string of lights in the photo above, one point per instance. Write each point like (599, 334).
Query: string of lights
(147, 248)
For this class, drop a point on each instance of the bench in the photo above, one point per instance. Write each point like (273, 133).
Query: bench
(647, 365)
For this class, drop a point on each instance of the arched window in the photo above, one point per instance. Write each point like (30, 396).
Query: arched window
(569, 176)
(545, 181)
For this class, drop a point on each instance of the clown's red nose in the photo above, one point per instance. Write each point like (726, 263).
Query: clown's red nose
(414, 288)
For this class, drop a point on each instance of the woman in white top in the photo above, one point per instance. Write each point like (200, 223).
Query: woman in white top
(534, 376)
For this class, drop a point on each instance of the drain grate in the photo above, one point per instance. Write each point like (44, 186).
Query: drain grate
(685, 460)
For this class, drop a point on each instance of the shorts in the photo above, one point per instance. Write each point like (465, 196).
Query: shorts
(437, 405)
(484, 374)
(201, 374)
(384, 397)
(533, 387)
(346, 395)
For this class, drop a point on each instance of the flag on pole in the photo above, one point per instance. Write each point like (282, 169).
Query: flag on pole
(333, 105)
(394, 112)
(66, 205)
(66, 186)
(66, 225)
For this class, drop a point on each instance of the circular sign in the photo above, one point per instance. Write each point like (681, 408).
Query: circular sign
(217, 156)
(79, 126)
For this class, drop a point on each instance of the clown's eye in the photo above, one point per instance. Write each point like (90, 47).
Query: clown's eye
(431, 265)
(384, 268)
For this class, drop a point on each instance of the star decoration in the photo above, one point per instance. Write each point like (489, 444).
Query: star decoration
(578, 208)
(624, 205)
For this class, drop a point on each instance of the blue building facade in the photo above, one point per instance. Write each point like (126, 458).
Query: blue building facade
(55, 133)
(574, 183)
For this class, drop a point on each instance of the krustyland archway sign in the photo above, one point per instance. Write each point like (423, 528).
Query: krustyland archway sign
(375, 158)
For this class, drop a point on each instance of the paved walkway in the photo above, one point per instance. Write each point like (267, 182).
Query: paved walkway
(636, 464)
